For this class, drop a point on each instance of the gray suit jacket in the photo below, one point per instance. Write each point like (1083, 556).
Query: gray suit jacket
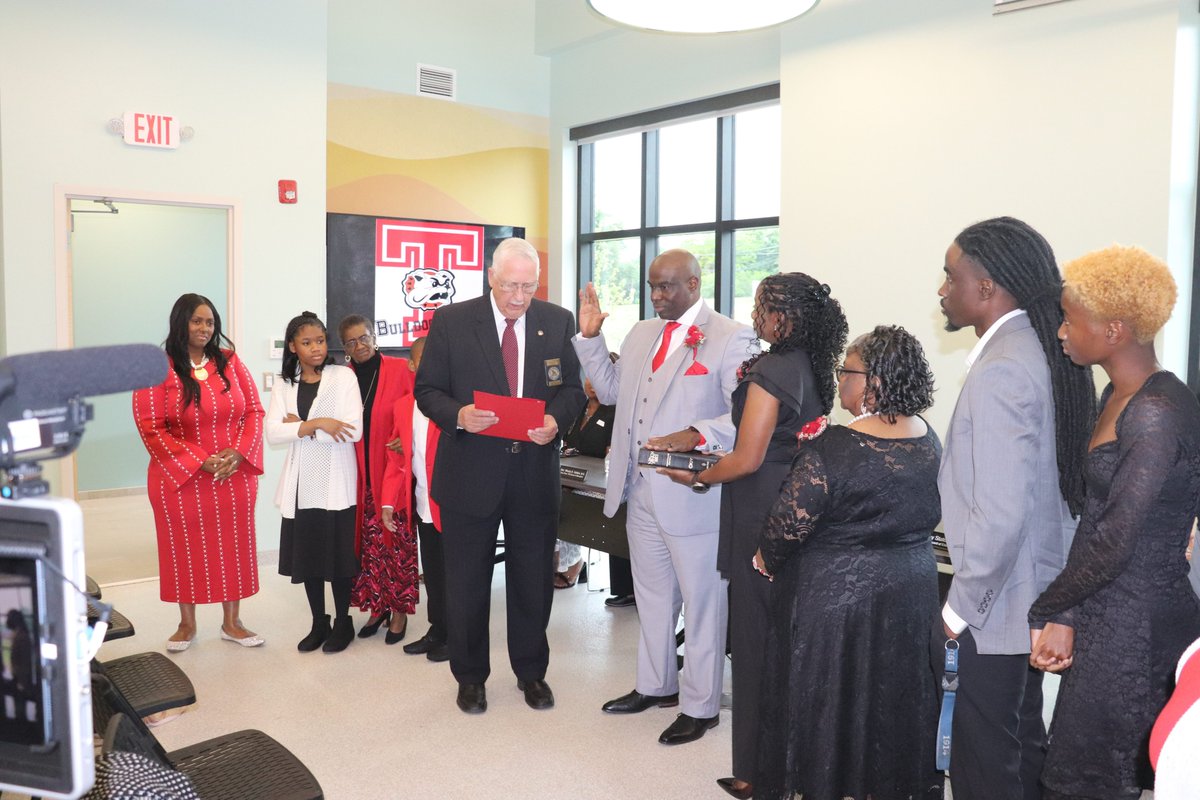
(1006, 523)
(654, 404)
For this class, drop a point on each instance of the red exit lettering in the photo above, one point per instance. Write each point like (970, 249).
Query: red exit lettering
(151, 130)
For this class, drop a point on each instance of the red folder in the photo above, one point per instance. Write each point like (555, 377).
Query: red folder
(517, 415)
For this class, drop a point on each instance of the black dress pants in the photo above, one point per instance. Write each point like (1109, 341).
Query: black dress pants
(433, 566)
(620, 576)
(998, 740)
(469, 546)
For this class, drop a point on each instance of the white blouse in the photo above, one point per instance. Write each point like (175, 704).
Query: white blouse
(320, 472)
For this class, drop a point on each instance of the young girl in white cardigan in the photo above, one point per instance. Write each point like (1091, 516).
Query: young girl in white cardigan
(316, 410)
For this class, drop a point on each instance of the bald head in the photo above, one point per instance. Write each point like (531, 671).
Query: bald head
(674, 283)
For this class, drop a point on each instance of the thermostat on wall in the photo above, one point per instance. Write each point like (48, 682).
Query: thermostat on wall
(275, 348)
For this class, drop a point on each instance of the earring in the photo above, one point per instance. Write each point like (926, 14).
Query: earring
(347, 357)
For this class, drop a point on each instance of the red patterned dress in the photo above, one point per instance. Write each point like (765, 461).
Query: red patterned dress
(206, 545)
(388, 578)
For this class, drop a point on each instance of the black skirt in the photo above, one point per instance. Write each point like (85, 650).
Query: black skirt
(318, 545)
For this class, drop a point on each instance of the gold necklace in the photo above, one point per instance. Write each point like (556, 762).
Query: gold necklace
(198, 370)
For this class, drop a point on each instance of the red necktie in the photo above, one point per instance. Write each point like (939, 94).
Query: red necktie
(661, 355)
(508, 352)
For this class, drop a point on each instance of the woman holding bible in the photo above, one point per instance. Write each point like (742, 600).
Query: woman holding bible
(779, 393)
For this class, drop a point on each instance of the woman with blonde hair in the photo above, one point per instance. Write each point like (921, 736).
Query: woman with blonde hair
(1122, 611)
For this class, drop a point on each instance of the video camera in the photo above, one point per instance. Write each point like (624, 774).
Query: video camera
(45, 680)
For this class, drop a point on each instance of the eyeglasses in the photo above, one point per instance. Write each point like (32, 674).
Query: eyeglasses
(365, 340)
(842, 372)
(508, 287)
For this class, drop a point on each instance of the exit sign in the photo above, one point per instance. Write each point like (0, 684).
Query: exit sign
(151, 130)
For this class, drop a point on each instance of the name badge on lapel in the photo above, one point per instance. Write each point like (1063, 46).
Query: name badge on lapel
(553, 371)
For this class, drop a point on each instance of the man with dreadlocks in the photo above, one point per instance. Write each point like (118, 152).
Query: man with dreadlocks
(1011, 485)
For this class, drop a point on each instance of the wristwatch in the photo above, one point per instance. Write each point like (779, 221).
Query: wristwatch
(699, 486)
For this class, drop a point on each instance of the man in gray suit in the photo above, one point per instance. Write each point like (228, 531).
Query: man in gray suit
(1011, 482)
(675, 373)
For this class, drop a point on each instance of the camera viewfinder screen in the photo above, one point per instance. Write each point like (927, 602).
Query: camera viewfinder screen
(20, 689)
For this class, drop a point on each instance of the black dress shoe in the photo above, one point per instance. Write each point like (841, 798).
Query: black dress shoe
(439, 654)
(620, 601)
(373, 625)
(537, 694)
(317, 636)
(423, 645)
(635, 702)
(687, 729)
(730, 786)
(472, 698)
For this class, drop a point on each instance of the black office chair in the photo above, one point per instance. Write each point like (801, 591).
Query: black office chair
(246, 765)
(151, 682)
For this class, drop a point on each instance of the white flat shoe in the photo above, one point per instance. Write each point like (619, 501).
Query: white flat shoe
(249, 641)
(178, 647)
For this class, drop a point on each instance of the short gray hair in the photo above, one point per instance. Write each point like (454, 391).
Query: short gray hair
(516, 247)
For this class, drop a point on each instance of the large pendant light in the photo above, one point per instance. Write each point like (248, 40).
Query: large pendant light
(701, 16)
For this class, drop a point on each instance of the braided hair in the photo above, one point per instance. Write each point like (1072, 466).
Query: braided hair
(291, 362)
(1020, 260)
(176, 345)
(812, 321)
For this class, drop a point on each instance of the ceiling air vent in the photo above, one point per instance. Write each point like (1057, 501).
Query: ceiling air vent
(436, 81)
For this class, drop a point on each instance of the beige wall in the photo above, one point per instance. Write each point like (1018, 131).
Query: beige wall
(902, 132)
(905, 122)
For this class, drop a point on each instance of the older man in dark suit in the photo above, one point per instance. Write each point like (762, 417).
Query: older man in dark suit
(503, 343)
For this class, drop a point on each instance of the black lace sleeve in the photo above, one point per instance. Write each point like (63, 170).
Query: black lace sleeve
(803, 497)
(1146, 448)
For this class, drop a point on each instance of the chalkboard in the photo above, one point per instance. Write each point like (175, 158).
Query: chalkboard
(361, 248)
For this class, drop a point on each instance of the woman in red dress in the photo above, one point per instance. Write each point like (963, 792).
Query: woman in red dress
(387, 585)
(203, 429)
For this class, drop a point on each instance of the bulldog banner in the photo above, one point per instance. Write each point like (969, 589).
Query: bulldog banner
(399, 272)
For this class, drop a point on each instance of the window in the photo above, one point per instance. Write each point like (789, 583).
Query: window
(703, 176)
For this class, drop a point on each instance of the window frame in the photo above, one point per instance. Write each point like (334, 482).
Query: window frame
(724, 226)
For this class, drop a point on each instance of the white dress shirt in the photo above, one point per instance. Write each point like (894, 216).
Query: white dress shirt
(420, 430)
(686, 319)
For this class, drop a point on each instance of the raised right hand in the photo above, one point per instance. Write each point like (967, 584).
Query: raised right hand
(590, 315)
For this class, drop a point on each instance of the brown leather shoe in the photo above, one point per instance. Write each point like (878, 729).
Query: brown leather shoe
(687, 729)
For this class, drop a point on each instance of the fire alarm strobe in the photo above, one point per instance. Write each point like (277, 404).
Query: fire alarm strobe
(287, 191)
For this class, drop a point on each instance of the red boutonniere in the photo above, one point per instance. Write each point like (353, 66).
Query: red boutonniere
(812, 429)
(695, 338)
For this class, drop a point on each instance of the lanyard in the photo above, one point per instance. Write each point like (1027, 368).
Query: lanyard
(949, 689)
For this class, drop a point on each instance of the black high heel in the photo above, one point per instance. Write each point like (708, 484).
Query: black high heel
(371, 628)
(394, 638)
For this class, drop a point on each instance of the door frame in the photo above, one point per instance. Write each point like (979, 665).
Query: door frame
(64, 302)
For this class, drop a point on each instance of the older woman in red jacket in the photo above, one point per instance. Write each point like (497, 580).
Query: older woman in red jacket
(406, 499)
(387, 584)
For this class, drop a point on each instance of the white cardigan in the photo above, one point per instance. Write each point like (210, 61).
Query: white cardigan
(319, 472)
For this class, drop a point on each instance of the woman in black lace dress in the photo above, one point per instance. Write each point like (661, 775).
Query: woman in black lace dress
(848, 700)
(778, 393)
(1122, 611)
